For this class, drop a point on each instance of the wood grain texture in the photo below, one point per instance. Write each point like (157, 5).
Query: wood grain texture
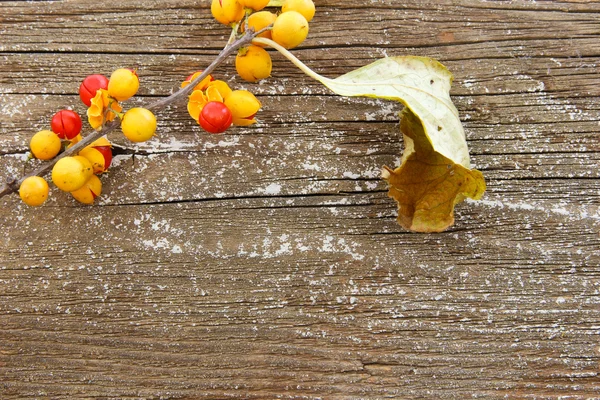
(267, 263)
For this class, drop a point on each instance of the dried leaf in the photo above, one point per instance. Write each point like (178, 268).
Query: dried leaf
(427, 185)
(421, 84)
(435, 173)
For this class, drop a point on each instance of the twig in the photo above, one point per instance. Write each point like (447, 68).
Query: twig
(12, 184)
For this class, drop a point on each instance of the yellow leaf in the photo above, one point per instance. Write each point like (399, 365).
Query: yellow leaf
(422, 85)
(427, 185)
(435, 172)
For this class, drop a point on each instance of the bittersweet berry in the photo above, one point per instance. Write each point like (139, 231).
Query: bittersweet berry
(202, 85)
(89, 87)
(45, 145)
(304, 7)
(88, 169)
(99, 153)
(98, 113)
(261, 20)
(196, 101)
(34, 191)
(255, 5)
(253, 63)
(215, 117)
(227, 12)
(90, 190)
(290, 29)
(99, 156)
(69, 174)
(66, 124)
(138, 124)
(243, 106)
(220, 86)
(123, 84)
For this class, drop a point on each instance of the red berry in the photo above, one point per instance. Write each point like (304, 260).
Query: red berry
(66, 124)
(106, 152)
(90, 86)
(215, 117)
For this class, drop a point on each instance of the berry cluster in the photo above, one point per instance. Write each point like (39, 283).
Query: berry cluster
(289, 28)
(78, 174)
(216, 106)
(212, 103)
(71, 174)
(102, 96)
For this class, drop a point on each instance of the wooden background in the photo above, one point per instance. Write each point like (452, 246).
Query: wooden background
(267, 263)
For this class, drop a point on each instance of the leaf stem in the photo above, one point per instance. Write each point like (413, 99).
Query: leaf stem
(287, 54)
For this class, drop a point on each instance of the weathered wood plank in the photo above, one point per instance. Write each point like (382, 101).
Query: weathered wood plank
(161, 74)
(514, 144)
(173, 27)
(267, 263)
(387, 306)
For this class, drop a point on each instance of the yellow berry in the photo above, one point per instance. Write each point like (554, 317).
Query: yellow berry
(95, 158)
(290, 29)
(123, 84)
(256, 5)
(304, 7)
(243, 106)
(45, 145)
(261, 20)
(88, 169)
(68, 174)
(99, 156)
(253, 64)
(89, 191)
(138, 124)
(227, 12)
(34, 191)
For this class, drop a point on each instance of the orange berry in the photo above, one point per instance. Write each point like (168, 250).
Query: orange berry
(123, 84)
(89, 191)
(34, 191)
(196, 102)
(243, 106)
(227, 12)
(69, 174)
(138, 124)
(221, 86)
(88, 169)
(202, 85)
(304, 7)
(253, 63)
(261, 20)
(45, 145)
(290, 29)
(99, 156)
(256, 5)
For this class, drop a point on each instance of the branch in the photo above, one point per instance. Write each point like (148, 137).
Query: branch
(12, 185)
